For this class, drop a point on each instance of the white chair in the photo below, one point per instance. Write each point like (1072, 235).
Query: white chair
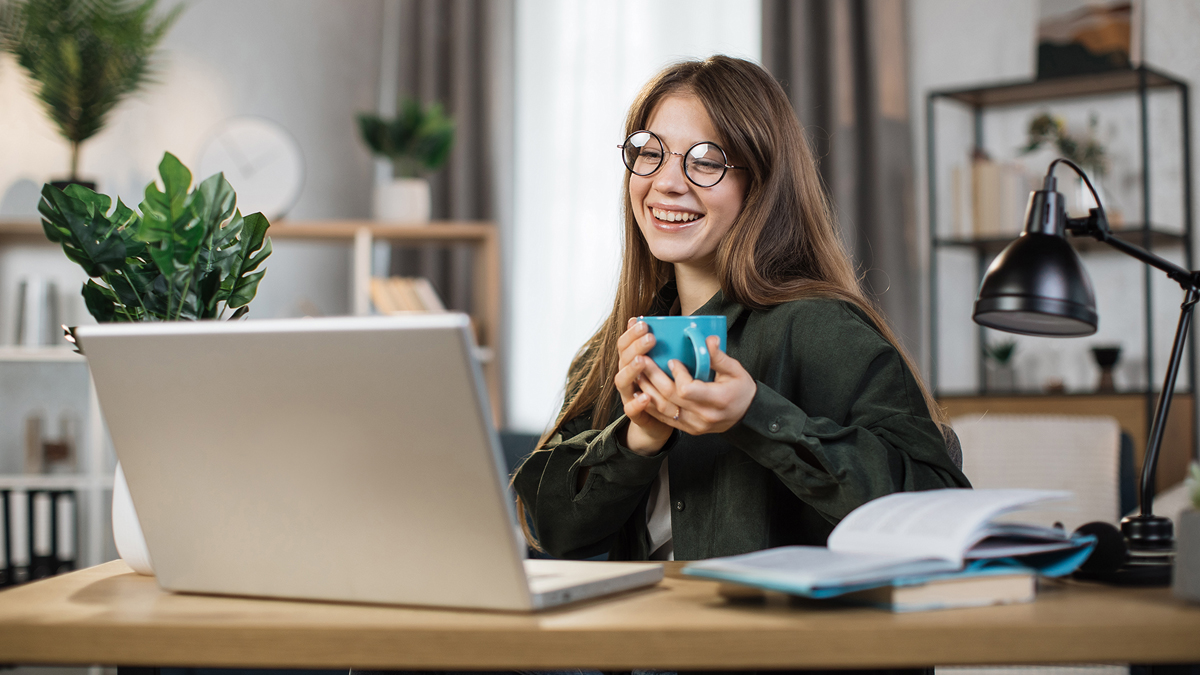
(1054, 452)
(1057, 452)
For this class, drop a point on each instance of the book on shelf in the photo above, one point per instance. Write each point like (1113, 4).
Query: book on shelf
(917, 550)
(37, 534)
(999, 193)
(404, 294)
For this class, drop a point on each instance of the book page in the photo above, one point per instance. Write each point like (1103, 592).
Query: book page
(934, 523)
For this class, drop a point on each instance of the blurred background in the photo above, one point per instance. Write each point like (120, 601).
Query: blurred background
(270, 91)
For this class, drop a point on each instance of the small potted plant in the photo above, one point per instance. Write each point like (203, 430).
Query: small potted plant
(1086, 151)
(1001, 376)
(416, 142)
(188, 255)
(1186, 583)
(84, 58)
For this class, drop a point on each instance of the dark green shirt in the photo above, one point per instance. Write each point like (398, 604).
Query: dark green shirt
(837, 420)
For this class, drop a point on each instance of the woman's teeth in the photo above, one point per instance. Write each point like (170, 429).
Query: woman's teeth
(674, 216)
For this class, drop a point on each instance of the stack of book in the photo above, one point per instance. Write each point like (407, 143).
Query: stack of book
(914, 551)
(394, 295)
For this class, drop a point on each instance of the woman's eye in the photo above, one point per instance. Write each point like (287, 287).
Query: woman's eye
(650, 155)
(707, 166)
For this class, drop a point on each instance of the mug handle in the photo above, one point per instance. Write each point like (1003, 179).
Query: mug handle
(703, 368)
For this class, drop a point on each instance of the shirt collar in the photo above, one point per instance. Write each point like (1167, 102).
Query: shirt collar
(717, 304)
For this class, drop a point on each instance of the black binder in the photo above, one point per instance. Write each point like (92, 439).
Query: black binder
(66, 531)
(41, 534)
(16, 515)
(5, 544)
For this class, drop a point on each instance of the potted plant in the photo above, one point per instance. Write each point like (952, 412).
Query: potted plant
(1186, 583)
(1001, 376)
(1086, 151)
(84, 58)
(188, 255)
(416, 142)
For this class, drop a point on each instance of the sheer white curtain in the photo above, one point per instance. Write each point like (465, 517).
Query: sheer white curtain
(578, 66)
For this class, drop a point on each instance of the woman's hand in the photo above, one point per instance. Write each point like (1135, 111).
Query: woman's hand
(646, 434)
(697, 407)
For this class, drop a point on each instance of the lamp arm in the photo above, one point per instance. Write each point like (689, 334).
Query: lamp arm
(1096, 227)
(1145, 531)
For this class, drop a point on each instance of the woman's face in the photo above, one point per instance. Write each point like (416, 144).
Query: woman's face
(683, 223)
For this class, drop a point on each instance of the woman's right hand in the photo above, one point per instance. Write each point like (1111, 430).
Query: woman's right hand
(645, 434)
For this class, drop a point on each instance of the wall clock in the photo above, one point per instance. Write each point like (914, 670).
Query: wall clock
(260, 159)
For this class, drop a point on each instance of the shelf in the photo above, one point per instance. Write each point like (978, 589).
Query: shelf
(64, 354)
(22, 232)
(436, 231)
(1133, 235)
(66, 481)
(1036, 91)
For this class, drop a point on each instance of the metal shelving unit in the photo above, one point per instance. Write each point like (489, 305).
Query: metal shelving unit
(1139, 82)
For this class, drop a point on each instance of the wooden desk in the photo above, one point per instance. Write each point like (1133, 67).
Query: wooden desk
(109, 615)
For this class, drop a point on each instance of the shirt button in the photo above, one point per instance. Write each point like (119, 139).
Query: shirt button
(774, 426)
(679, 505)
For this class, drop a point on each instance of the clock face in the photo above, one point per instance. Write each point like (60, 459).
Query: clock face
(260, 159)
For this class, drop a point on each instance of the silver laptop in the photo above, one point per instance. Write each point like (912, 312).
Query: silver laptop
(347, 459)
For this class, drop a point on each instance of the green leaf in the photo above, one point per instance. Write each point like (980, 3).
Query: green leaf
(97, 203)
(87, 238)
(210, 287)
(101, 302)
(244, 290)
(176, 181)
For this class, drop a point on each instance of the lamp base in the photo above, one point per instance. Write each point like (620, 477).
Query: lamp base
(1131, 574)
(1148, 556)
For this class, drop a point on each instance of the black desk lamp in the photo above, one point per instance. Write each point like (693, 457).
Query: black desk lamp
(1037, 286)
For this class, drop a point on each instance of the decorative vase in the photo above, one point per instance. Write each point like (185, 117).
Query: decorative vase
(1106, 358)
(403, 200)
(127, 530)
(1186, 584)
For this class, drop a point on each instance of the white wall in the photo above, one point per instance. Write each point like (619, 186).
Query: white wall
(964, 43)
(308, 65)
(578, 67)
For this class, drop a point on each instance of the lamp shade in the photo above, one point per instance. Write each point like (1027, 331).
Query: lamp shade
(1037, 286)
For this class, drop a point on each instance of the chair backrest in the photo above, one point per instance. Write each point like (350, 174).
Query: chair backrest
(1057, 452)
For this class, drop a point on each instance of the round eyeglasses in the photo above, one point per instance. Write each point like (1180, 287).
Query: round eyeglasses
(704, 164)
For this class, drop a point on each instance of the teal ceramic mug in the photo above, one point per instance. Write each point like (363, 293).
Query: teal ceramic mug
(683, 338)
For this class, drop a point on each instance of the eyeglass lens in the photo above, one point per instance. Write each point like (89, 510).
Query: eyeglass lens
(703, 163)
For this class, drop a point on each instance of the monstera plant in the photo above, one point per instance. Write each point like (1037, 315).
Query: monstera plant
(188, 255)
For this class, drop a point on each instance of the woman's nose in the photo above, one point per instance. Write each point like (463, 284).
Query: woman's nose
(669, 177)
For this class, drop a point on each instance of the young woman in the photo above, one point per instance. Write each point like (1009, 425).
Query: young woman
(814, 408)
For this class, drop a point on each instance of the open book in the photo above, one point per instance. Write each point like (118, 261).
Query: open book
(912, 538)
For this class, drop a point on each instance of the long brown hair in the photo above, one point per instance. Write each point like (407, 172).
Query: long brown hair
(782, 246)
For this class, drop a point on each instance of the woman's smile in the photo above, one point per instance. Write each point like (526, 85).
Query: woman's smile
(667, 216)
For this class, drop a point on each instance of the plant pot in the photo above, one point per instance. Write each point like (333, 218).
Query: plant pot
(127, 530)
(403, 201)
(62, 184)
(1000, 379)
(1187, 556)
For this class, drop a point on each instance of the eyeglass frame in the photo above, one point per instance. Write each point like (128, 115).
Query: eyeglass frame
(682, 155)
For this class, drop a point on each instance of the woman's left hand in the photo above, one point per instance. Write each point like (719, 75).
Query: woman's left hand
(697, 407)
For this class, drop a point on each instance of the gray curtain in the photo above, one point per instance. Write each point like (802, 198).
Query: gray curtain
(448, 50)
(843, 65)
